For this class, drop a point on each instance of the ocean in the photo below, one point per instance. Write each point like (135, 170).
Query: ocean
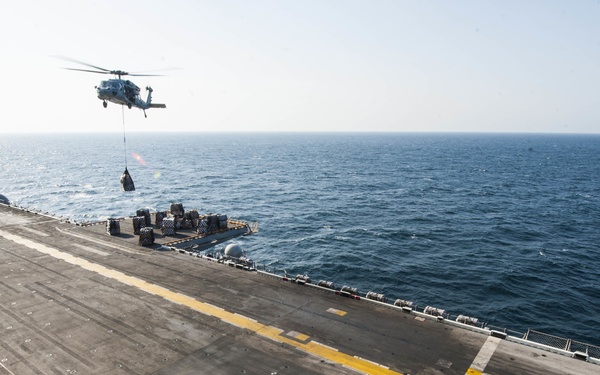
(501, 227)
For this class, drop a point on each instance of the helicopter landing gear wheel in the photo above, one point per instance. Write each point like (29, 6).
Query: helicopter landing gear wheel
(104, 104)
(129, 105)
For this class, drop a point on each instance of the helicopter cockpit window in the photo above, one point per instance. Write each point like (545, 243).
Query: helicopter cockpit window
(109, 85)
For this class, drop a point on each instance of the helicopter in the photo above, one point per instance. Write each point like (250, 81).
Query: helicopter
(118, 90)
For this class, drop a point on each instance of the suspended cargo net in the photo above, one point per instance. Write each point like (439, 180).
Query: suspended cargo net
(127, 181)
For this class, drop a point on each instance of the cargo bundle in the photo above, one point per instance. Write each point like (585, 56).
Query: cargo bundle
(139, 222)
(168, 226)
(177, 209)
(146, 214)
(113, 227)
(160, 215)
(146, 236)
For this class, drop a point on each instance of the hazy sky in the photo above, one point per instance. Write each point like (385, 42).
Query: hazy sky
(307, 65)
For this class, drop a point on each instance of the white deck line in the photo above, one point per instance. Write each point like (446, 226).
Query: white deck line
(485, 354)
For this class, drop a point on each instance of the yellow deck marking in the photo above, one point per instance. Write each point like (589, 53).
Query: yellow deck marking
(483, 357)
(336, 311)
(302, 337)
(241, 321)
(298, 336)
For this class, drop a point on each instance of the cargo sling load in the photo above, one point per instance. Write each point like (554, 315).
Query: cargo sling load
(123, 92)
(127, 181)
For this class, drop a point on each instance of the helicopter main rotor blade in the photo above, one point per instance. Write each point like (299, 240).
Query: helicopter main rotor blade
(82, 63)
(118, 73)
(152, 71)
(87, 70)
(145, 75)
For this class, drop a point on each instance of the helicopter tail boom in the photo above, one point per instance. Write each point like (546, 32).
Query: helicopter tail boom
(149, 103)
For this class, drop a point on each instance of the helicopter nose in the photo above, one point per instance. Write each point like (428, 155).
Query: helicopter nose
(102, 93)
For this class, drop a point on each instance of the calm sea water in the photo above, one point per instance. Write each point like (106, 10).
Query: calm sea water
(504, 228)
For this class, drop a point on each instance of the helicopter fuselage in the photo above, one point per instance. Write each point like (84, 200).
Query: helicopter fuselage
(120, 91)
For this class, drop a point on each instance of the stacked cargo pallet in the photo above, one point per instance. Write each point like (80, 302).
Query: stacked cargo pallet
(160, 215)
(168, 226)
(183, 223)
(146, 236)
(113, 227)
(193, 217)
(213, 223)
(139, 222)
(177, 209)
(202, 227)
(146, 214)
(222, 221)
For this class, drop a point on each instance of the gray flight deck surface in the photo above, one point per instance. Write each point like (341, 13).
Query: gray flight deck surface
(75, 300)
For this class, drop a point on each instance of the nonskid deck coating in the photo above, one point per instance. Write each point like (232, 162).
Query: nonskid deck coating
(75, 308)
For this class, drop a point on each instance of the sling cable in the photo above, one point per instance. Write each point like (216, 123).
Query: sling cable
(126, 180)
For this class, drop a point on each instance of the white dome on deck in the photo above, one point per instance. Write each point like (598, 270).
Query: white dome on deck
(234, 251)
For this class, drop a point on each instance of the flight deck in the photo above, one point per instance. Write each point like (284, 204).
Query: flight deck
(74, 299)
